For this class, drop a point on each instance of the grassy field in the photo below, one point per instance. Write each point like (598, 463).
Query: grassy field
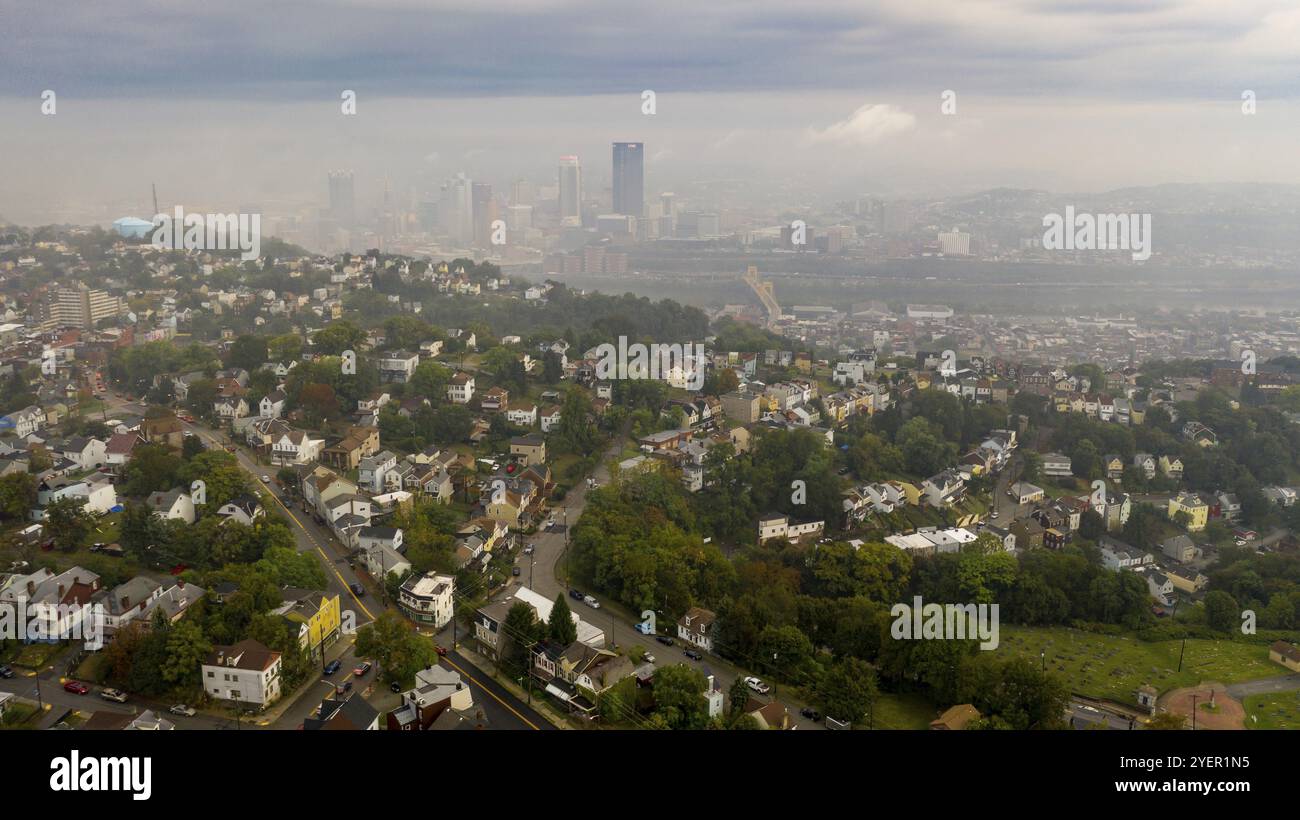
(1114, 667)
(907, 711)
(1275, 710)
(20, 716)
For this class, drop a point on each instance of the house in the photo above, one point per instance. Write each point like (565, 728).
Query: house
(1113, 465)
(774, 525)
(944, 489)
(523, 414)
(243, 508)
(770, 715)
(1229, 506)
(1199, 434)
(437, 690)
(317, 618)
(1180, 548)
(956, 718)
(550, 418)
(531, 449)
(1171, 467)
(428, 599)
(295, 447)
(352, 713)
(372, 472)
(86, 452)
(1160, 587)
(490, 619)
(381, 551)
(120, 446)
(398, 366)
(460, 388)
(1116, 555)
(1146, 463)
(58, 602)
(1287, 654)
(1190, 510)
(247, 673)
(697, 627)
(1025, 493)
(1057, 465)
(24, 422)
(272, 404)
(175, 505)
(1186, 580)
(495, 400)
(346, 455)
(230, 408)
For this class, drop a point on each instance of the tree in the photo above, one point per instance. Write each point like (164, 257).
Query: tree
(318, 402)
(521, 630)
(1221, 611)
(737, 697)
(848, 690)
(248, 352)
(186, 649)
(430, 381)
(560, 628)
(152, 468)
(17, 496)
(679, 701)
(399, 651)
(337, 337)
(67, 523)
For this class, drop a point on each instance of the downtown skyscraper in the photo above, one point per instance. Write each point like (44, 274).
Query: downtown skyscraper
(629, 178)
(570, 191)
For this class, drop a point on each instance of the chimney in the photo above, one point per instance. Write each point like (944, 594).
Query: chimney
(31, 588)
(60, 592)
(180, 583)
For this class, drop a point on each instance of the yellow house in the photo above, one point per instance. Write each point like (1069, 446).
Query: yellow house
(1286, 654)
(320, 617)
(1171, 467)
(922, 381)
(910, 491)
(1137, 416)
(1198, 511)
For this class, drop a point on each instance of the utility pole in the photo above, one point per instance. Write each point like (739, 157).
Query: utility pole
(1193, 713)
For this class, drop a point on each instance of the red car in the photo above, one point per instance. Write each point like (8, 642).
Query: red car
(442, 651)
(362, 669)
(76, 687)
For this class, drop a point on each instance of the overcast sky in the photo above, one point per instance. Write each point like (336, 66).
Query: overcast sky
(231, 103)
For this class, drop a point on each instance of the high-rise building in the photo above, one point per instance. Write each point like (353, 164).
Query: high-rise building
(343, 205)
(570, 191)
(456, 209)
(76, 306)
(485, 212)
(523, 192)
(629, 178)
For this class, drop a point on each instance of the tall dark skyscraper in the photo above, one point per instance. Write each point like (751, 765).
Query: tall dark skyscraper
(629, 178)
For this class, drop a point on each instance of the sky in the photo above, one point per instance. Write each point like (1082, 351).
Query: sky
(234, 103)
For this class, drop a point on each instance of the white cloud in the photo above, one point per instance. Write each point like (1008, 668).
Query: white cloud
(868, 125)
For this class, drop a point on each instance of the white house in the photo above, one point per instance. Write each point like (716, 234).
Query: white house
(460, 389)
(296, 447)
(247, 673)
(428, 598)
(174, 505)
(272, 405)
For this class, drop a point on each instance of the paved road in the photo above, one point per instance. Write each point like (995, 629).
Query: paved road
(1263, 686)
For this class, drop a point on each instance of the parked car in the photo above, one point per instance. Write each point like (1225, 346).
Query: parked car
(644, 628)
(357, 590)
(665, 640)
(115, 695)
(332, 667)
(756, 685)
(515, 572)
(441, 650)
(648, 658)
(76, 687)
(395, 687)
(591, 602)
(343, 688)
(576, 594)
(528, 550)
(266, 479)
(6, 672)
(811, 713)
(183, 710)
(363, 668)
(692, 654)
